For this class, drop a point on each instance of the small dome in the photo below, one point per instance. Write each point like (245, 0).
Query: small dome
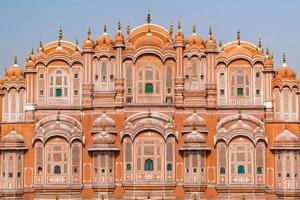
(119, 38)
(194, 120)
(14, 71)
(88, 43)
(179, 37)
(104, 40)
(285, 72)
(286, 137)
(194, 137)
(13, 138)
(104, 121)
(103, 138)
(195, 39)
(211, 44)
(269, 62)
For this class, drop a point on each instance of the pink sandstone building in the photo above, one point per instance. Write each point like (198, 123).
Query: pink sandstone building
(151, 114)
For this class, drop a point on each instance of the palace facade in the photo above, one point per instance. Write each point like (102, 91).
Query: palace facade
(153, 115)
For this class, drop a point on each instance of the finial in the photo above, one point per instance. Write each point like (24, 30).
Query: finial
(283, 58)
(148, 17)
(76, 44)
(171, 29)
(32, 51)
(179, 25)
(60, 35)
(41, 45)
(220, 44)
(128, 28)
(15, 60)
(267, 52)
(104, 28)
(194, 28)
(210, 32)
(57, 117)
(238, 36)
(89, 31)
(119, 25)
(259, 43)
(272, 55)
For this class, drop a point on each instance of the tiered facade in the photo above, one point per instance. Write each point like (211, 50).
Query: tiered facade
(154, 115)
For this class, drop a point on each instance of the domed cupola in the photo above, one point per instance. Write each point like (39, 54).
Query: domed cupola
(285, 72)
(89, 42)
(268, 59)
(286, 140)
(194, 39)
(210, 43)
(194, 131)
(14, 72)
(103, 132)
(12, 141)
(104, 41)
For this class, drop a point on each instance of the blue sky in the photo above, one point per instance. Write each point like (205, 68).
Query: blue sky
(24, 22)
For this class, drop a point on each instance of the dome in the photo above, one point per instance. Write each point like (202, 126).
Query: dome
(286, 137)
(149, 40)
(194, 120)
(104, 121)
(211, 44)
(15, 71)
(285, 72)
(13, 138)
(269, 62)
(104, 40)
(194, 137)
(194, 39)
(103, 138)
(88, 43)
(119, 37)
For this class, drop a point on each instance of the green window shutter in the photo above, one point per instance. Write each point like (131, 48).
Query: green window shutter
(149, 88)
(58, 92)
(148, 165)
(240, 91)
(57, 169)
(241, 169)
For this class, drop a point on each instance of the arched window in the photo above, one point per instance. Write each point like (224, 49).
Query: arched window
(57, 169)
(59, 84)
(259, 170)
(222, 170)
(169, 167)
(148, 165)
(241, 169)
(149, 88)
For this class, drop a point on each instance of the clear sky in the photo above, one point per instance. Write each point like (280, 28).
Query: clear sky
(24, 22)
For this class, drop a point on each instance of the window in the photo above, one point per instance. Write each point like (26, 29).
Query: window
(241, 169)
(41, 92)
(40, 170)
(58, 92)
(41, 76)
(222, 92)
(57, 169)
(19, 174)
(195, 170)
(10, 175)
(257, 74)
(148, 165)
(288, 175)
(102, 170)
(257, 92)
(128, 167)
(96, 77)
(296, 175)
(76, 92)
(169, 167)
(129, 90)
(110, 170)
(75, 76)
(222, 170)
(240, 91)
(148, 88)
(169, 90)
(279, 175)
(259, 170)
(3, 174)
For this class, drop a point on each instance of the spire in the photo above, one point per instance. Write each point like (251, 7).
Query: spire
(194, 28)
(171, 29)
(119, 25)
(128, 28)
(210, 32)
(41, 45)
(148, 17)
(179, 25)
(104, 29)
(238, 36)
(267, 52)
(76, 45)
(259, 44)
(284, 58)
(60, 35)
(32, 51)
(89, 31)
(15, 60)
